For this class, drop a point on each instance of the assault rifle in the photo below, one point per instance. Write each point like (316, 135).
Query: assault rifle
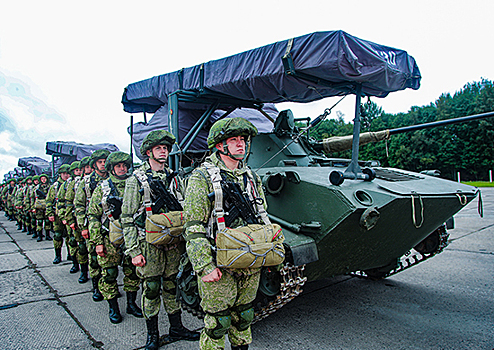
(235, 204)
(162, 197)
(40, 194)
(115, 206)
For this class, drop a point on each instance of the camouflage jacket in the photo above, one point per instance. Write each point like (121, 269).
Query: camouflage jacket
(29, 197)
(98, 227)
(51, 197)
(11, 196)
(198, 209)
(69, 213)
(19, 196)
(61, 199)
(133, 215)
(81, 201)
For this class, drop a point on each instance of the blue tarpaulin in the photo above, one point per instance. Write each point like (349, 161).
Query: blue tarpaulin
(315, 66)
(35, 165)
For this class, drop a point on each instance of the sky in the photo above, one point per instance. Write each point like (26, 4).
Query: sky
(64, 64)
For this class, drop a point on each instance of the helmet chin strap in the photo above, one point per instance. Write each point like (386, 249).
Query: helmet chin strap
(235, 157)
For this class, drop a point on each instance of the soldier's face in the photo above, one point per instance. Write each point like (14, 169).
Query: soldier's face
(87, 170)
(36, 182)
(64, 176)
(236, 145)
(120, 169)
(29, 182)
(43, 179)
(100, 165)
(159, 153)
(77, 172)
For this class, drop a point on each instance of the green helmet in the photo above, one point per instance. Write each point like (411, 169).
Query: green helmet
(155, 138)
(29, 178)
(75, 165)
(84, 161)
(117, 157)
(230, 127)
(36, 177)
(13, 179)
(65, 168)
(97, 155)
(44, 175)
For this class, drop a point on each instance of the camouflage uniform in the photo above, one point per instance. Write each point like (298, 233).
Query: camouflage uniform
(52, 211)
(227, 302)
(76, 240)
(99, 227)
(81, 206)
(161, 262)
(41, 191)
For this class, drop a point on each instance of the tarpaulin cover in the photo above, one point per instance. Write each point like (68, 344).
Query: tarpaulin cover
(69, 151)
(188, 117)
(258, 75)
(35, 165)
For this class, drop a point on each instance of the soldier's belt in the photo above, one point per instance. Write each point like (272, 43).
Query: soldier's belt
(250, 246)
(165, 228)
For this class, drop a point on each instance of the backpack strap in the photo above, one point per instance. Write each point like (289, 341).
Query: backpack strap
(218, 213)
(253, 194)
(143, 180)
(105, 187)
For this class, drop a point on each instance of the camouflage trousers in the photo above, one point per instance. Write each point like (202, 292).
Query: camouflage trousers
(78, 246)
(33, 220)
(42, 220)
(230, 291)
(60, 233)
(115, 257)
(94, 267)
(159, 275)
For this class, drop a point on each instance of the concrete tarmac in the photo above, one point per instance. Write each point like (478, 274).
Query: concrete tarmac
(446, 302)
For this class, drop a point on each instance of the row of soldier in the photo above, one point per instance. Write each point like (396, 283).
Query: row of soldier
(102, 210)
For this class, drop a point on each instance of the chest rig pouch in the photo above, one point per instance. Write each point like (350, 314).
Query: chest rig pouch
(253, 245)
(112, 208)
(161, 228)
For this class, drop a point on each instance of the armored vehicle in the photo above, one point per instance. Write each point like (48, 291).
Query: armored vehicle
(339, 216)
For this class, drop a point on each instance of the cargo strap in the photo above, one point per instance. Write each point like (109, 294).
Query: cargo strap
(218, 212)
(143, 179)
(106, 189)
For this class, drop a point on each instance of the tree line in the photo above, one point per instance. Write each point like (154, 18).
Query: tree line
(467, 148)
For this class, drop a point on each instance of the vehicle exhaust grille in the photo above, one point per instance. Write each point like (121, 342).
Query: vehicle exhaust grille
(393, 175)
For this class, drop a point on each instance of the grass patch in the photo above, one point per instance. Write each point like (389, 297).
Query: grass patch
(479, 183)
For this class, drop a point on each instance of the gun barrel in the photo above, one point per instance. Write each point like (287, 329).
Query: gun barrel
(440, 123)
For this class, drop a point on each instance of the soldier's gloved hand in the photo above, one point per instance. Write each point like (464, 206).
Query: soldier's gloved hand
(213, 276)
(139, 260)
(64, 222)
(85, 234)
(72, 226)
(100, 250)
(51, 218)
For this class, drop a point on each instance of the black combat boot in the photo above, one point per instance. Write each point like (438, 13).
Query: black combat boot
(83, 278)
(178, 331)
(58, 256)
(114, 313)
(240, 347)
(97, 296)
(69, 257)
(153, 341)
(24, 227)
(40, 236)
(19, 225)
(35, 233)
(48, 237)
(75, 265)
(132, 308)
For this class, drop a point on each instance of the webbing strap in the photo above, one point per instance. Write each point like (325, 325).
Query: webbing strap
(218, 212)
(251, 190)
(143, 179)
(105, 187)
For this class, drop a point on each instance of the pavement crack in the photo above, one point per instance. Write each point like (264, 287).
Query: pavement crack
(15, 270)
(471, 233)
(57, 297)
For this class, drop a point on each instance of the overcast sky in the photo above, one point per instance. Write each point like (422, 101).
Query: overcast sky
(64, 64)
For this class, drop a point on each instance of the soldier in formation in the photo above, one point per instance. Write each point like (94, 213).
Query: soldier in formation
(227, 294)
(156, 264)
(42, 221)
(81, 205)
(104, 213)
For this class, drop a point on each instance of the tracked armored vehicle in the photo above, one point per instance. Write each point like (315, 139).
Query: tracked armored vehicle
(339, 216)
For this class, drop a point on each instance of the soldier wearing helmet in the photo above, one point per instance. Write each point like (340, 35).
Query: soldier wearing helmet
(42, 220)
(81, 205)
(104, 214)
(9, 197)
(156, 265)
(65, 208)
(227, 294)
(30, 201)
(76, 240)
(26, 205)
(53, 215)
(18, 202)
